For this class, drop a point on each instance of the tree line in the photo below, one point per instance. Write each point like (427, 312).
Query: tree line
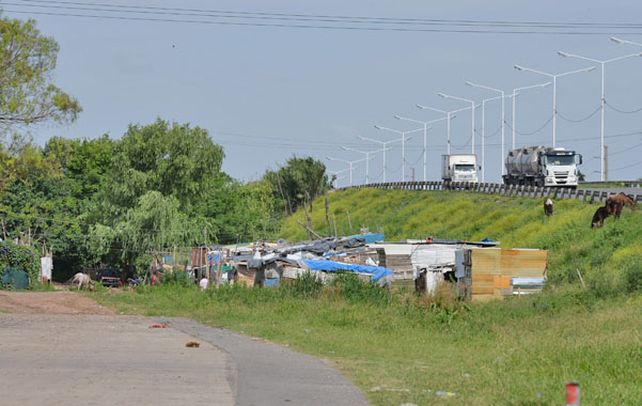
(122, 201)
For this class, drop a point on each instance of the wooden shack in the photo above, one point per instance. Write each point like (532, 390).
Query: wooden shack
(493, 273)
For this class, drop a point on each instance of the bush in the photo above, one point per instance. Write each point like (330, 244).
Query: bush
(21, 257)
(307, 285)
(179, 278)
(351, 288)
(632, 275)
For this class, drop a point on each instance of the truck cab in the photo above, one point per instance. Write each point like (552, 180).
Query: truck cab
(459, 168)
(560, 167)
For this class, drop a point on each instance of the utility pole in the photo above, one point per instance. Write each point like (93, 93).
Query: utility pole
(606, 162)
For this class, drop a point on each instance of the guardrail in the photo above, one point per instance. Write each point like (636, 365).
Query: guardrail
(614, 183)
(500, 189)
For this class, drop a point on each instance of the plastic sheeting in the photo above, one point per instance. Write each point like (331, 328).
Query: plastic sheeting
(375, 272)
(369, 238)
(16, 278)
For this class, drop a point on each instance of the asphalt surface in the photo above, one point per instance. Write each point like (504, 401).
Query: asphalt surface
(269, 374)
(60, 348)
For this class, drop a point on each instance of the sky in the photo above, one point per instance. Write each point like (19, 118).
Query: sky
(267, 93)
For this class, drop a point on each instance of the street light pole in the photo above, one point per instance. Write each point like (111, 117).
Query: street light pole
(385, 147)
(503, 95)
(514, 96)
(403, 146)
(554, 76)
(472, 117)
(350, 164)
(483, 134)
(367, 154)
(450, 115)
(603, 97)
(337, 178)
(426, 128)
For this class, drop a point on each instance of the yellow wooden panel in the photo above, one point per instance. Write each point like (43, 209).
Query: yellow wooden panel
(502, 282)
(483, 277)
(485, 260)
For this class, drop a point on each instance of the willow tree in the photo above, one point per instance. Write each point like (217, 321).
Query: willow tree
(153, 226)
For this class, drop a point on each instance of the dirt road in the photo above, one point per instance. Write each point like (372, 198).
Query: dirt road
(61, 348)
(59, 302)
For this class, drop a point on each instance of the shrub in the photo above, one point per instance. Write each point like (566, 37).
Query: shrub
(179, 278)
(307, 285)
(351, 288)
(632, 275)
(21, 257)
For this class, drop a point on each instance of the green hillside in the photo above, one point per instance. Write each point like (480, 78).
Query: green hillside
(609, 258)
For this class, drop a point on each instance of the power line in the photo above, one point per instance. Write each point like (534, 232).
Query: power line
(480, 28)
(612, 107)
(624, 150)
(626, 166)
(594, 112)
(321, 17)
(532, 132)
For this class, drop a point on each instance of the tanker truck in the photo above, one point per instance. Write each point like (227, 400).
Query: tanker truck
(542, 166)
(459, 168)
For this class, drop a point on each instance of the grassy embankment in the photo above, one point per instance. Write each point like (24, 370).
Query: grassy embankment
(400, 348)
(605, 256)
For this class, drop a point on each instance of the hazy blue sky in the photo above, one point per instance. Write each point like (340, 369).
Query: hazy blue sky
(266, 93)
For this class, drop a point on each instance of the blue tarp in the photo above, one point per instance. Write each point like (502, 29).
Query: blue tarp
(369, 238)
(375, 272)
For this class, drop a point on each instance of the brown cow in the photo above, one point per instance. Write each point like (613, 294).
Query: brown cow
(616, 202)
(548, 207)
(598, 218)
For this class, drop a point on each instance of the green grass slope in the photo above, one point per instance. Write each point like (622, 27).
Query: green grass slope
(610, 258)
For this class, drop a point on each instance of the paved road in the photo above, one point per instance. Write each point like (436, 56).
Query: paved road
(269, 374)
(50, 354)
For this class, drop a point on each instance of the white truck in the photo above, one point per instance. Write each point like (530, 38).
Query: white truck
(459, 168)
(542, 166)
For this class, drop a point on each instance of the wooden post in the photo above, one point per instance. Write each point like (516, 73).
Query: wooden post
(334, 220)
(327, 212)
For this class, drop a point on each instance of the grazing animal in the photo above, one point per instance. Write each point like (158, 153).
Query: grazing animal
(548, 207)
(614, 208)
(83, 280)
(615, 204)
(598, 218)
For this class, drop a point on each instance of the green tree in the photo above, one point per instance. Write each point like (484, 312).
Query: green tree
(27, 95)
(175, 160)
(240, 212)
(298, 183)
(155, 224)
(84, 162)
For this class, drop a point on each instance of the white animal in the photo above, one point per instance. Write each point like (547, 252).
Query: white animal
(82, 279)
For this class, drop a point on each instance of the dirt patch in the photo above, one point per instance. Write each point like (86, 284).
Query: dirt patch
(61, 302)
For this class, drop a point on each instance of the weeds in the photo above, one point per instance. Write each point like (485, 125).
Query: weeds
(306, 286)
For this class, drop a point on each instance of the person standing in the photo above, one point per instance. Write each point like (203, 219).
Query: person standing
(204, 283)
